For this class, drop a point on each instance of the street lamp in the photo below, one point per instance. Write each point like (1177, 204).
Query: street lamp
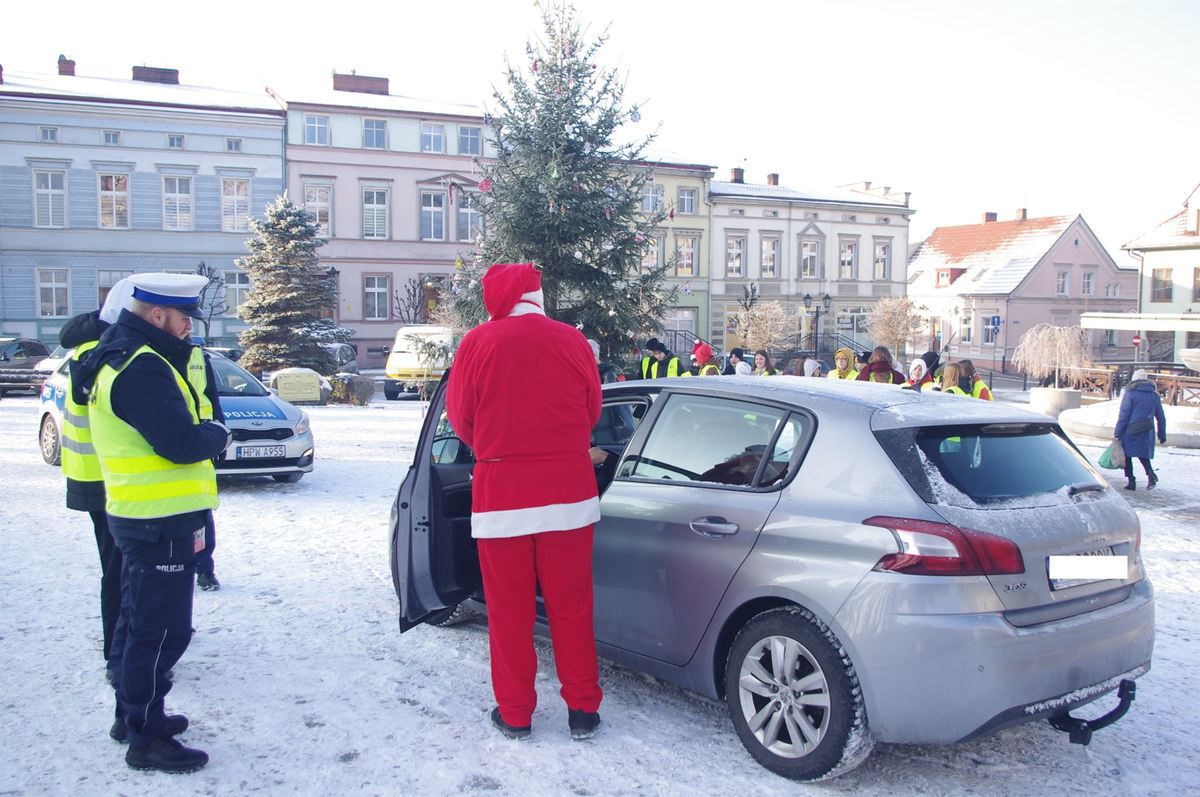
(826, 302)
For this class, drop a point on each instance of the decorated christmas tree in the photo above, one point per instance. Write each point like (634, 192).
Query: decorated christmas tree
(291, 298)
(566, 193)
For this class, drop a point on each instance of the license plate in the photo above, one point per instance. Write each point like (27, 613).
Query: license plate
(1086, 567)
(261, 452)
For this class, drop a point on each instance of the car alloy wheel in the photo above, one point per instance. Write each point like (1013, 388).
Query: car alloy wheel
(784, 696)
(49, 442)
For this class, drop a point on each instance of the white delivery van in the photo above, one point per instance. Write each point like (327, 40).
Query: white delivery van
(404, 364)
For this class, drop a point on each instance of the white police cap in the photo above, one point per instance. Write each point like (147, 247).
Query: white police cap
(118, 299)
(181, 291)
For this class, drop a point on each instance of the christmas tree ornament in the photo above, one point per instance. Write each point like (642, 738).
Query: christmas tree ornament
(635, 116)
(639, 237)
(608, 215)
(578, 255)
(458, 262)
(671, 214)
(612, 313)
(485, 185)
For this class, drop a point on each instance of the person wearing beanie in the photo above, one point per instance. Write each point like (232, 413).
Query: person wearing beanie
(659, 362)
(1141, 408)
(736, 355)
(843, 362)
(705, 365)
(534, 498)
(880, 369)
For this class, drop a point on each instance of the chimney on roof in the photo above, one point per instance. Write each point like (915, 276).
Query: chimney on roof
(1022, 214)
(737, 175)
(360, 83)
(866, 185)
(989, 217)
(66, 66)
(1, 74)
(907, 194)
(156, 74)
(773, 178)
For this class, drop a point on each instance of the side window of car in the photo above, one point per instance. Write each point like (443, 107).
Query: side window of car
(447, 448)
(617, 424)
(716, 441)
(36, 349)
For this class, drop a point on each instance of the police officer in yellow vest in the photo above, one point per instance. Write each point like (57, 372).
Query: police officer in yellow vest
(660, 362)
(155, 451)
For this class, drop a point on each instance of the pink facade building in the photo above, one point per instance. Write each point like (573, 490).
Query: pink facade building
(984, 284)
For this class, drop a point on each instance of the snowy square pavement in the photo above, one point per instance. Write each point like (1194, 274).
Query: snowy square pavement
(298, 681)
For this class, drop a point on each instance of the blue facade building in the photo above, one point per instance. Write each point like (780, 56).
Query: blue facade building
(101, 178)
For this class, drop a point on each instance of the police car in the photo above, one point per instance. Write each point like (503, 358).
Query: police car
(271, 437)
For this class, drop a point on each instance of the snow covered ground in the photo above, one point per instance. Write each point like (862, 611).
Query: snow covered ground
(298, 682)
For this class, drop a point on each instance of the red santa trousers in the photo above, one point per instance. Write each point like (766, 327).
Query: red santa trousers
(561, 563)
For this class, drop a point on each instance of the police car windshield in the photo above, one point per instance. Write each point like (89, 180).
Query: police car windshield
(233, 380)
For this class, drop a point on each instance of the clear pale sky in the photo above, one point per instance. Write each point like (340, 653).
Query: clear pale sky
(1088, 107)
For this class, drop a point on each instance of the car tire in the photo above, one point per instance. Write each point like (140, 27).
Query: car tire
(50, 441)
(452, 615)
(287, 478)
(390, 392)
(788, 679)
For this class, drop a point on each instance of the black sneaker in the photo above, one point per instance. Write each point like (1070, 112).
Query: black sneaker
(583, 724)
(1153, 481)
(208, 582)
(166, 754)
(175, 725)
(511, 731)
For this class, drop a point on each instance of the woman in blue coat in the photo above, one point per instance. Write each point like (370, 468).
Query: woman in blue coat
(1141, 408)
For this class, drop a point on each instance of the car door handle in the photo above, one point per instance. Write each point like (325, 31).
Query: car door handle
(713, 527)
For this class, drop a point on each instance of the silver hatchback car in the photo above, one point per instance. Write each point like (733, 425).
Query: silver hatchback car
(840, 563)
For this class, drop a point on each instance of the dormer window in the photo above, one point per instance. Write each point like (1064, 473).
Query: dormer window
(943, 277)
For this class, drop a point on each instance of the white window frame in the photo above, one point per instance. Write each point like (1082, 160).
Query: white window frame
(852, 266)
(182, 140)
(55, 280)
(433, 137)
(315, 207)
(105, 279)
(433, 210)
(990, 333)
(685, 201)
(374, 132)
(316, 127)
(233, 144)
(1062, 283)
(885, 273)
(373, 293)
(375, 216)
(113, 197)
(467, 210)
(110, 138)
(474, 138)
(652, 198)
(237, 290)
(966, 327)
(1087, 283)
(235, 209)
(47, 134)
(735, 251)
(815, 272)
(184, 203)
(651, 255)
(685, 255)
(769, 245)
(50, 195)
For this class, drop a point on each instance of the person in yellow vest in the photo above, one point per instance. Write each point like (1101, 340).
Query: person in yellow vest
(843, 365)
(706, 365)
(763, 365)
(659, 362)
(952, 379)
(979, 388)
(155, 451)
(880, 368)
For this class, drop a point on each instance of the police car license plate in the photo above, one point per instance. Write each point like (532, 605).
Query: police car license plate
(261, 452)
(1086, 568)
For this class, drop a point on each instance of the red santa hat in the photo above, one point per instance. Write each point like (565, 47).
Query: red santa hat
(702, 352)
(505, 284)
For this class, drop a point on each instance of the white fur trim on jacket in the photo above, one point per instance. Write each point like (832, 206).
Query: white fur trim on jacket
(531, 302)
(535, 519)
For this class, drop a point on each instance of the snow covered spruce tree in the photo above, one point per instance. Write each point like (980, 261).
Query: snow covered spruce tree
(289, 290)
(565, 193)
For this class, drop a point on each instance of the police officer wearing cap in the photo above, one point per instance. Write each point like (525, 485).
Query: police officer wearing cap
(155, 450)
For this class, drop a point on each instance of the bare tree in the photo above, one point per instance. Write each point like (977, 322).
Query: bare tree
(407, 302)
(896, 320)
(764, 325)
(1048, 350)
(212, 295)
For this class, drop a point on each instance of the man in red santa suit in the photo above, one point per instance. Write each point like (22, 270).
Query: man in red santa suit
(534, 500)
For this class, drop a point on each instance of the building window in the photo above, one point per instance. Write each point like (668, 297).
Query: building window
(685, 256)
(652, 198)
(1196, 284)
(650, 255)
(316, 130)
(112, 138)
(468, 216)
(48, 135)
(49, 199)
(848, 260)
(237, 290)
(1087, 284)
(105, 280)
(114, 201)
(1112, 290)
(770, 258)
(966, 327)
(1110, 337)
(687, 201)
(810, 259)
(317, 202)
(375, 133)
(433, 138)
(177, 203)
(883, 260)
(233, 145)
(990, 333)
(1062, 283)
(433, 216)
(52, 292)
(735, 257)
(175, 141)
(376, 292)
(469, 140)
(374, 213)
(235, 205)
(1160, 285)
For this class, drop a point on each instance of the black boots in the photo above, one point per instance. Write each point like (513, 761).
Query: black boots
(511, 731)
(208, 582)
(583, 724)
(1153, 481)
(1131, 484)
(166, 754)
(175, 725)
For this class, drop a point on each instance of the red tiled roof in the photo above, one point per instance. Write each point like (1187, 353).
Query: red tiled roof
(956, 244)
(1172, 232)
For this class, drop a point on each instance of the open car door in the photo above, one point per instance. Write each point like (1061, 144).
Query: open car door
(434, 562)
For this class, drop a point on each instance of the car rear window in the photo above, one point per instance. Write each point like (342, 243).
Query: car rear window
(989, 466)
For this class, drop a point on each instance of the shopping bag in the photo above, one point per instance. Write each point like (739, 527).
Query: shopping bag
(1113, 457)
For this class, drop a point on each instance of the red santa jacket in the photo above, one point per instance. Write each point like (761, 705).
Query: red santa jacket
(530, 427)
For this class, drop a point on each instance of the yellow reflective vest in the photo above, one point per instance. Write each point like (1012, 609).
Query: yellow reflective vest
(851, 374)
(650, 367)
(139, 483)
(79, 461)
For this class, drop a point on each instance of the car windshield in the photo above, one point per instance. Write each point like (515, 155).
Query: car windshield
(233, 380)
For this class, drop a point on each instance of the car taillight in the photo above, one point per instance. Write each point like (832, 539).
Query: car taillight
(941, 549)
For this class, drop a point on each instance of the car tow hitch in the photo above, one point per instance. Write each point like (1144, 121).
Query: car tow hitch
(1081, 730)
